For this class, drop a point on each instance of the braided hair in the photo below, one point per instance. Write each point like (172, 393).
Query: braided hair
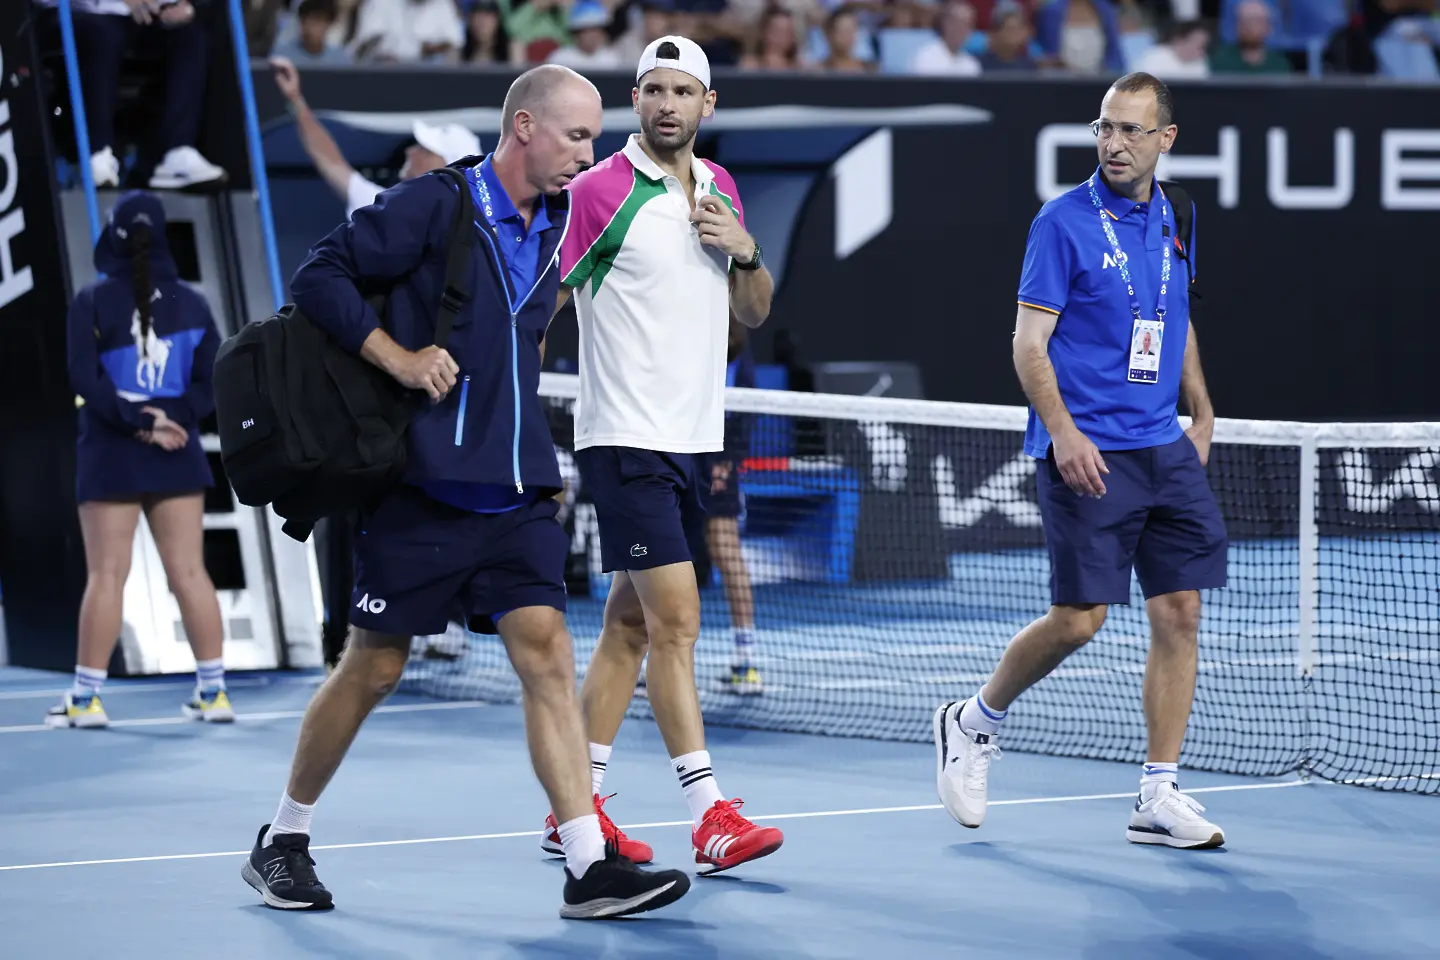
(140, 283)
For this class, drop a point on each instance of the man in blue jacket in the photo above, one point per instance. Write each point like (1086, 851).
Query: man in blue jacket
(472, 529)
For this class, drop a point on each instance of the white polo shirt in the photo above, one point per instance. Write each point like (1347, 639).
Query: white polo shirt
(653, 305)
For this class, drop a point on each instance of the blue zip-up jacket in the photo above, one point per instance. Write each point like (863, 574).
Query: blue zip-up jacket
(115, 374)
(491, 428)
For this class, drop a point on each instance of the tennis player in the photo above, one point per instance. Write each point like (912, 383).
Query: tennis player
(658, 256)
(1105, 349)
(472, 529)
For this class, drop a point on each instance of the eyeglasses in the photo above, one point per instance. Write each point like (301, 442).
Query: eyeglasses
(1129, 132)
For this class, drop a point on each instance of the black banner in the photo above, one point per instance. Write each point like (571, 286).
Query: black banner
(42, 563)
(896, 211)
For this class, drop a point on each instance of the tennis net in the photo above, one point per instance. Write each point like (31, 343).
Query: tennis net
(894, 547)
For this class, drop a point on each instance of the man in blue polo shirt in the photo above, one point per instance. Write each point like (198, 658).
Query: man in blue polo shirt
(1104, 349)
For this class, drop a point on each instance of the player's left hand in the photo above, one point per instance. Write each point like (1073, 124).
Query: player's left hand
(718, 227)
(1199, 434)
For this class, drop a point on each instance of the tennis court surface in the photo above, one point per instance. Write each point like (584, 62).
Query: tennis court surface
(128, 843)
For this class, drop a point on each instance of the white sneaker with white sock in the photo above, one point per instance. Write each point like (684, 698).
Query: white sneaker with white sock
(104, 168)
(963, 757)
(184, 167)
(1171, 818)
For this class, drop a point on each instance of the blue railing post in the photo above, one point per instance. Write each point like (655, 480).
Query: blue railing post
(77, 110)
(257, 154)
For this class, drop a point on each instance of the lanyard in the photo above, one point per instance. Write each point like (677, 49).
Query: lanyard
(1123, 263)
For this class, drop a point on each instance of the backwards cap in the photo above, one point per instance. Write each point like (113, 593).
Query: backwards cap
(691, 59)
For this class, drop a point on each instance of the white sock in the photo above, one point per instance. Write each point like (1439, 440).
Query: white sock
(210, 674)
(979, 716)
(1154, 774)
(582, 842)
(744, 646)
(292, 817)
(599, 760)
(88, 681)
(698, 782)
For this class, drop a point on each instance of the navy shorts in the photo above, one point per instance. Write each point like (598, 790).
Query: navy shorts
(724, 500)
(420, 564)
(644, 501)
(1158, 516)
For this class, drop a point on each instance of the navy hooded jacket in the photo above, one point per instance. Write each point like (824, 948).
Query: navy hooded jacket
(491, 428)
(118, 368)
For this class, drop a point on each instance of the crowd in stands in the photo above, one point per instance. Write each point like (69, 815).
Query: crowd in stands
(1174, 39)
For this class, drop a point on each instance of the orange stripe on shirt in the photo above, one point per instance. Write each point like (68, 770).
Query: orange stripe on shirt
(1036, 306)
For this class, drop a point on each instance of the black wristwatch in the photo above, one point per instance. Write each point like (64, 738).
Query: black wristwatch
(755, 261)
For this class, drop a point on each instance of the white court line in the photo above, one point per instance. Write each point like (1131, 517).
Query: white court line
(111, 689)
(641, 826)
(272, 715)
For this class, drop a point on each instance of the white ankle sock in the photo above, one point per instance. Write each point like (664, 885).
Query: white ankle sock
(1152, 775)
(88, 681)
(698, 782)
(599, 760)
(744, 646)
(582, 842)
(979, 716)
(292, 817)
(210, 674)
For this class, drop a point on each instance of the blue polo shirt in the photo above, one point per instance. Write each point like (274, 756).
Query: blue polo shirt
(520, 249)
(518, 246)
(1070, 271)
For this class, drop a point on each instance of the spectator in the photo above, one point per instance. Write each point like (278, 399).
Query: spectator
(104, 30)
(652, 23)
(1082, 36)
(434, 146)
(778, 47)
(590, 48)
(311, 45)
(1009, 47)
(945, 56)
(1251, 52)
(536, 27)
(842, 31)
(408, 30)
(485, 40)
(262, 20)
(1182, 57)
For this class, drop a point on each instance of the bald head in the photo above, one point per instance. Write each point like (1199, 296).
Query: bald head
(551, 118)
(537, 90)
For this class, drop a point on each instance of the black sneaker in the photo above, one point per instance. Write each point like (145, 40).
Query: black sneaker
(615, 887)
(284, 873)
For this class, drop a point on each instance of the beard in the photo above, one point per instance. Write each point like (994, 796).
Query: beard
(663, 140)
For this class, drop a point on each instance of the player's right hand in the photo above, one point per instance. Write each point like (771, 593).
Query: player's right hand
(431, 369)
(1080, 464)
(287, 78)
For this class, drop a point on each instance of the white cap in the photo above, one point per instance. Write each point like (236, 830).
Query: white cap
(448, 141)
(692, 60)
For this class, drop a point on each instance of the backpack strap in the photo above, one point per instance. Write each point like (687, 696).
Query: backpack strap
(457, 257)
(1184, 226)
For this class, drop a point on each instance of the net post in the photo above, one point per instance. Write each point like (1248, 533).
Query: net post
(1307, 652)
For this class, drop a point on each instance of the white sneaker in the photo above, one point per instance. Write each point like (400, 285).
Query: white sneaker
(963, 780)
(104, 169)
(86, 713)
(1173, 819)
(184, 167)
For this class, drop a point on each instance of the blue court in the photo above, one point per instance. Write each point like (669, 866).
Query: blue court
(128, 843)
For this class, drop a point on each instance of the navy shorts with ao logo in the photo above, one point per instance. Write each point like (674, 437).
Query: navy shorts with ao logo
(1158, 516)
(420, 563)
(644, 502)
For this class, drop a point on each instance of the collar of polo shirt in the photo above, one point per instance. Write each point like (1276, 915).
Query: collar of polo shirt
(648, 168)
(1116, 205)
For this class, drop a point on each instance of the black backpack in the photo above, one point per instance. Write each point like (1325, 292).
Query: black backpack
(1184, 229)
(310, 428)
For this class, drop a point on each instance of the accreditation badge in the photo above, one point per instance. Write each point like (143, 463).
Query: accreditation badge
(1145, 343)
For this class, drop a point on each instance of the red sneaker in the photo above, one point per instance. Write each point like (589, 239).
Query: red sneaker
(725, 839)
(636, 851)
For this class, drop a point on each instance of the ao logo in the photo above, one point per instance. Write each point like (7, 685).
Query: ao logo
(374, 606)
